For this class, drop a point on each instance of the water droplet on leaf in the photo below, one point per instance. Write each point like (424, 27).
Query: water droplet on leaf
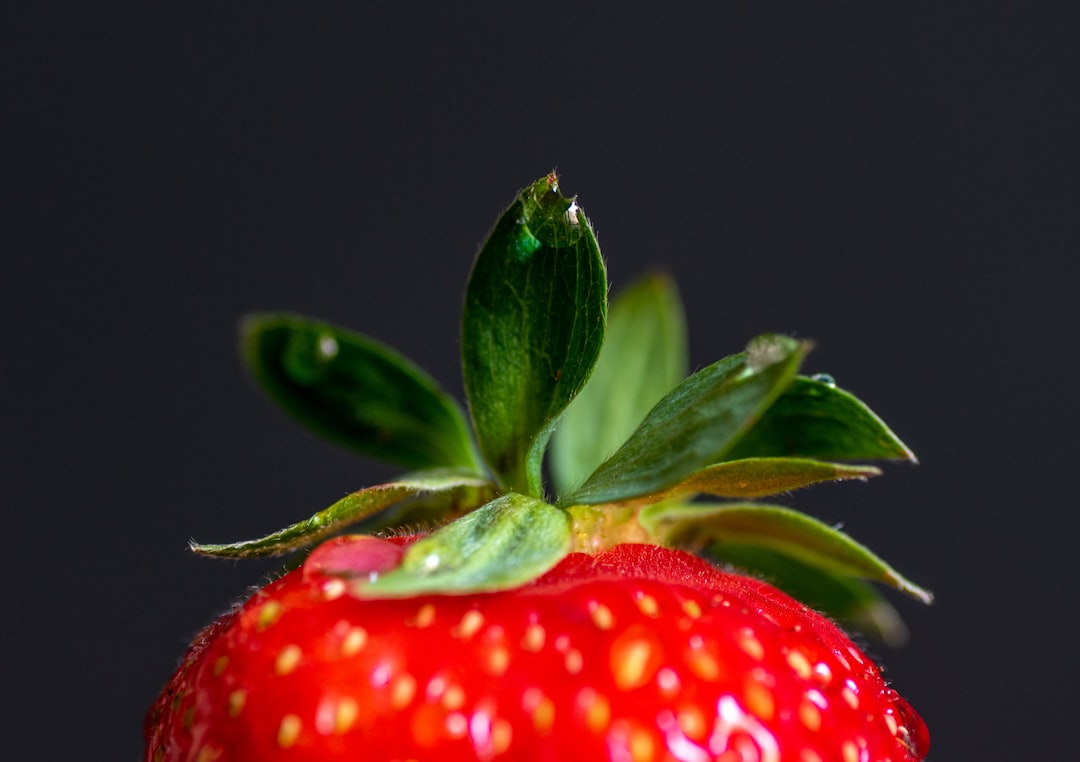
(824, 378)
(328, 347)
(307, 356)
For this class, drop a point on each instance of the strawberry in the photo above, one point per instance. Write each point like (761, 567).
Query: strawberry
(622, 612)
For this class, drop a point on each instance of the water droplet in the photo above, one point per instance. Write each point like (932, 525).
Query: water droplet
(824, 378)
(307, 356)
(328, 347)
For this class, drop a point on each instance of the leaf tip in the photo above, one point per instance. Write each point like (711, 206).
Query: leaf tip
(769, 349)
(908, 587)
(199, 548)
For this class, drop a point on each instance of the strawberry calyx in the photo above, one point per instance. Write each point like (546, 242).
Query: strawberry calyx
(636, 445)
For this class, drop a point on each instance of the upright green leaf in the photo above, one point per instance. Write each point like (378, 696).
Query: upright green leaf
(535, 310)
(643, 358)
(444, 491)
(696, 423)
(775, 528)
(815, 419)
(506, 543)
(356, 392)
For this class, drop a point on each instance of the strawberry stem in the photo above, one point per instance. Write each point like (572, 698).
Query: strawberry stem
(595, 528)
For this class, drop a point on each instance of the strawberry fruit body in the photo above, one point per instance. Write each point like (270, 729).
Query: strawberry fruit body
(638, 653)
(567, 626)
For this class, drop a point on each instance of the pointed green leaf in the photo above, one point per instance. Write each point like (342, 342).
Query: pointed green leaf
(696, 423)
(775, 528)
(815, 419)
(758, 477)
(356, 392)
(535, 309)
(643, 358)
(504, 544)
(444, 490)
(854, 602)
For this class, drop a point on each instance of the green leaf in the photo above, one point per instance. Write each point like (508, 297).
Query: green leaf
(758, 477)
(535, 309)
(696, 423)
(643, 358)
(775, 528)
(444, 490)
(356, 392)
(815, 419)
(504, 544)
(854, 602)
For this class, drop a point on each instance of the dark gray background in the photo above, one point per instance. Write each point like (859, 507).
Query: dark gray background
(899, 185)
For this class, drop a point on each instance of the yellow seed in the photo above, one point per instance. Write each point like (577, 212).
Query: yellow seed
(648, 606)
(850, 751)
(543, 713)
(703, 664)
(809, 755)
(288, 659)
(760, 701)
(692, 722)
(402, 691)
(220, 664)
(797, 661)
(601, 615)
(750, 644)
(891, 722)
(850, 697)
(268, 614)
(502, 733)
(810, 716)
(574, 661)
(469, 624)
(237, 699)
(597, 709)
(692, 609)
(497, 660)
(288, 731)
(633, 661)
(347, 712)
(534, 638)
(642, 747)
(454, 697)
(354, 641)
(424, 617)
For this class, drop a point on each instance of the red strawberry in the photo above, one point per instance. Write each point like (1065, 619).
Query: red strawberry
(537, 627)
(638, 653)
